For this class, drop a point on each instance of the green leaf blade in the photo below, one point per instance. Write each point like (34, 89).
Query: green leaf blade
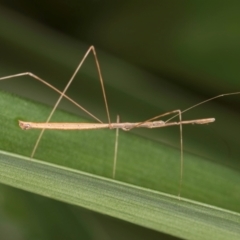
(147, 208)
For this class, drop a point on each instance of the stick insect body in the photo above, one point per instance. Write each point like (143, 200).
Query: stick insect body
(150, 123)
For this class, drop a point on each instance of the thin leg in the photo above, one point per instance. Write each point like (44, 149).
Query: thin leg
(179, 113)
(101, 81)
(116, 149)
(52, 87)
(181, 157)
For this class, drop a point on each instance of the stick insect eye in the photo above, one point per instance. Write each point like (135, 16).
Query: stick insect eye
(24, 126)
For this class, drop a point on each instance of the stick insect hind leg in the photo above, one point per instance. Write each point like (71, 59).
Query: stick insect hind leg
(179, 114)
(62, 94)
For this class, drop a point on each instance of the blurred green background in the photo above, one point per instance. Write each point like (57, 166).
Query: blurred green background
(161, 56)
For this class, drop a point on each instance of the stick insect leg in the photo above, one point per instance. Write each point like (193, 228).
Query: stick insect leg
(67, 86)
(179, 114)
(116, 149)
(101, 81)
(53, 88)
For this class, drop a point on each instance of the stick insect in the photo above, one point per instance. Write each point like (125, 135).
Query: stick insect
(149, 123)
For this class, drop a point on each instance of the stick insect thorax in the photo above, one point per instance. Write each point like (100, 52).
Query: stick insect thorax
(150, 123)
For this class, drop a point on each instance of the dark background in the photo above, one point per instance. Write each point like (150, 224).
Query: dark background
(194, 45)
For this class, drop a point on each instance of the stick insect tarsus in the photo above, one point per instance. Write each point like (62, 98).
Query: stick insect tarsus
(150, 123)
